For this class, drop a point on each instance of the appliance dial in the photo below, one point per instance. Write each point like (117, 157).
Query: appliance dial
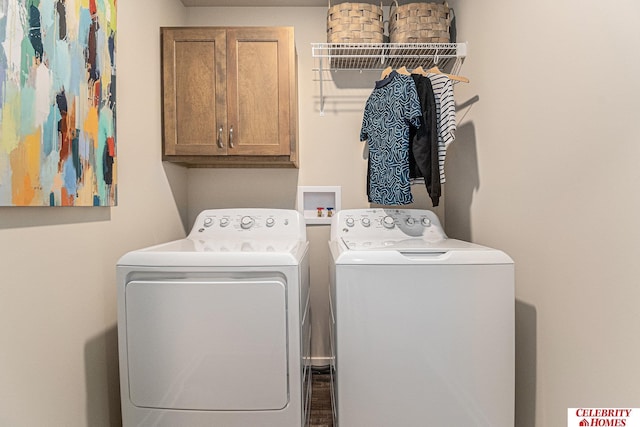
(426, 222)
(208, 222)
(246, 222)
(410, 221)
(224, 222)
(366, 222)
(350, 222)
(388, 222)
(270, 222)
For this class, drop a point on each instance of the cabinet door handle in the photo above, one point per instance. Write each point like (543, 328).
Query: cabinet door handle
(220, 137)
(231, 137)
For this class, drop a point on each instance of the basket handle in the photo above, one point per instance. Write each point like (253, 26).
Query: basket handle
(450, 14)
(329, 1)
(329, 4)
(395, 2)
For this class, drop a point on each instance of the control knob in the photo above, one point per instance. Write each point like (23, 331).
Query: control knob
(410, 221)
(246, 222)
(270, 222)
(350, 222)
(366, 222)
(224, 222)
(426, 222)
(388, 222)
(208, 222)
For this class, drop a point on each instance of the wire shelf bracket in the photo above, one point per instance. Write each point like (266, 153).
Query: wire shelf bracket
(448, 57)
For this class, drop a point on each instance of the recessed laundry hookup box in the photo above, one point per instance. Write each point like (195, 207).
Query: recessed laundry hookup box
(318, 204)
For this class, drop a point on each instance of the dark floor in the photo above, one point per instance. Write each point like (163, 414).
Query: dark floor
(321, 401)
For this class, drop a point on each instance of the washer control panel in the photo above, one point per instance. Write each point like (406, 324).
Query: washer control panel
(386, 224)
(259, 223)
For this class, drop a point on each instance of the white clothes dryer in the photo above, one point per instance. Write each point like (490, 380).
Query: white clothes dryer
(422, 326)
(214, 329)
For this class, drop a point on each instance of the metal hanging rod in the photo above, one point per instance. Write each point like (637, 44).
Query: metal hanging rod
(378, 56)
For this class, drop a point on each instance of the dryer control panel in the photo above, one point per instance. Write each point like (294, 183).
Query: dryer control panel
(386, 225)
(259, 223)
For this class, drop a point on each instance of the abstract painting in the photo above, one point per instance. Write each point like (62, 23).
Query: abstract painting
(58, 103)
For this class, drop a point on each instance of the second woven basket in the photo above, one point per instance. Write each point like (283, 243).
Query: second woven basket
(419, 23)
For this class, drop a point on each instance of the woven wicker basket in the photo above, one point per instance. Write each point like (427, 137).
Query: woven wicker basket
(355, 23)
(419, 23)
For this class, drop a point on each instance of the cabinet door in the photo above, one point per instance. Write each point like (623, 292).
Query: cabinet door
(194, 97)
(260, 89)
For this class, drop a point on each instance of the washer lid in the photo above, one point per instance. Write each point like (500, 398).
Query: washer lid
(415, 243)
(414, 251)
(194, 252)
(401, 236)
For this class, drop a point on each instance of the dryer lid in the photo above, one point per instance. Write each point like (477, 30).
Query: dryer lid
(232, 237)
(208, 253)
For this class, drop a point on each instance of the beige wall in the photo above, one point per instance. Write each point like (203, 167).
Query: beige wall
(545, 166)
(58, 344)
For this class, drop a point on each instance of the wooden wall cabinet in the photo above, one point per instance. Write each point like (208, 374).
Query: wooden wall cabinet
(229, 96)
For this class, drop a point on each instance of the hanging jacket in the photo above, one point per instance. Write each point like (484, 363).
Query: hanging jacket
(423, 141)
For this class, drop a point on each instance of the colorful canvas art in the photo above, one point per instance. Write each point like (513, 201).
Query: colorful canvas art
(58, 103)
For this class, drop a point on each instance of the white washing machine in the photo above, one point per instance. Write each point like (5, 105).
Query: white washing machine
(422, 326)
(214, 329)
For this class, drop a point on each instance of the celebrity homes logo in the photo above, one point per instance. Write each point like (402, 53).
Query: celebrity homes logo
(603, 417)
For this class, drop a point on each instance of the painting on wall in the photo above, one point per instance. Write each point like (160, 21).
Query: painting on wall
(58, 103)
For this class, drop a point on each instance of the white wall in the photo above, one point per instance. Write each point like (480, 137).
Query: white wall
(58, 345)
(545, 166)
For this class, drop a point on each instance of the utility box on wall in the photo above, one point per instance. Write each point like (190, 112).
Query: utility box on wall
(318, 203)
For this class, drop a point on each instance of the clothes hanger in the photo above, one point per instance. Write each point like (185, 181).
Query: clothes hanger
(436, 70)
(420, 71)
(386, 72)
(403, 70)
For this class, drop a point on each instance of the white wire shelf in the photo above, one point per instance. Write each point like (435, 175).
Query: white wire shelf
(377, 56)
(448, 57)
